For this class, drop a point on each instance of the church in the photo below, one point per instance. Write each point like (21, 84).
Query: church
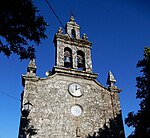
(69, 102)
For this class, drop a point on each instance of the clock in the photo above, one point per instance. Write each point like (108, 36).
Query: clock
(75, 89)
(76, 110)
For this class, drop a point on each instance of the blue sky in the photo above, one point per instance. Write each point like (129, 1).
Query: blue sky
(119, 31)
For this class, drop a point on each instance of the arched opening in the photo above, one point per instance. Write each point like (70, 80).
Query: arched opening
(80, 60)
(67, 57)
(73, 33)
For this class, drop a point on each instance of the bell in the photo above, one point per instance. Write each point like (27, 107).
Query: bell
(67, 62)
(80, 63)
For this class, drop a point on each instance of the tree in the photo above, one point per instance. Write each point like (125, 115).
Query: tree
(141, 120)
(21, 27)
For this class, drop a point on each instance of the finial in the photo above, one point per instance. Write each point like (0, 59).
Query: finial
(72, 19)
(84, 36)
(32, 63)
(111, 79)
(60, 31)
(31, 67)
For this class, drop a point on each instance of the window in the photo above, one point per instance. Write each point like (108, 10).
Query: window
(67, 58)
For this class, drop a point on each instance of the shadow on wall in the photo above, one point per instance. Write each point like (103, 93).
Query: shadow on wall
(113, 129)
(26, 130)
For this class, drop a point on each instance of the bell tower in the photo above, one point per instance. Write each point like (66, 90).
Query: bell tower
(72, 52)
(69, 102)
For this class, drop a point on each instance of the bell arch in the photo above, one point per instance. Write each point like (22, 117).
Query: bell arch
(80, 60)
(67, 57)
(73, 33)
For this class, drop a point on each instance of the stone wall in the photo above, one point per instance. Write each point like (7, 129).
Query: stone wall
(51, 113)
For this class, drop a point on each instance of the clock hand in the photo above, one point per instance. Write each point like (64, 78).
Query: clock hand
(76, 87)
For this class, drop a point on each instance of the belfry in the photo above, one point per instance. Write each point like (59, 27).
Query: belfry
(69, 102)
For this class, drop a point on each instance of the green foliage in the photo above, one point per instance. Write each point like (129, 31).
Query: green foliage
(20, 27)
(141, 121)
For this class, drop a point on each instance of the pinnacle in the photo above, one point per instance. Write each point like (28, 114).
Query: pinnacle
(32, 63)
(111, 79)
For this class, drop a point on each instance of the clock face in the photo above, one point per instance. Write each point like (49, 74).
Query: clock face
(75, 89)
(76, 110)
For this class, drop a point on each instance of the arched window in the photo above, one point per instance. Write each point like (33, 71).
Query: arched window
(67, 58)
(80, 60)
(73, 33)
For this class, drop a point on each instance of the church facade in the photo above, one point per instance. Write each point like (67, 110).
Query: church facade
(70, 102)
